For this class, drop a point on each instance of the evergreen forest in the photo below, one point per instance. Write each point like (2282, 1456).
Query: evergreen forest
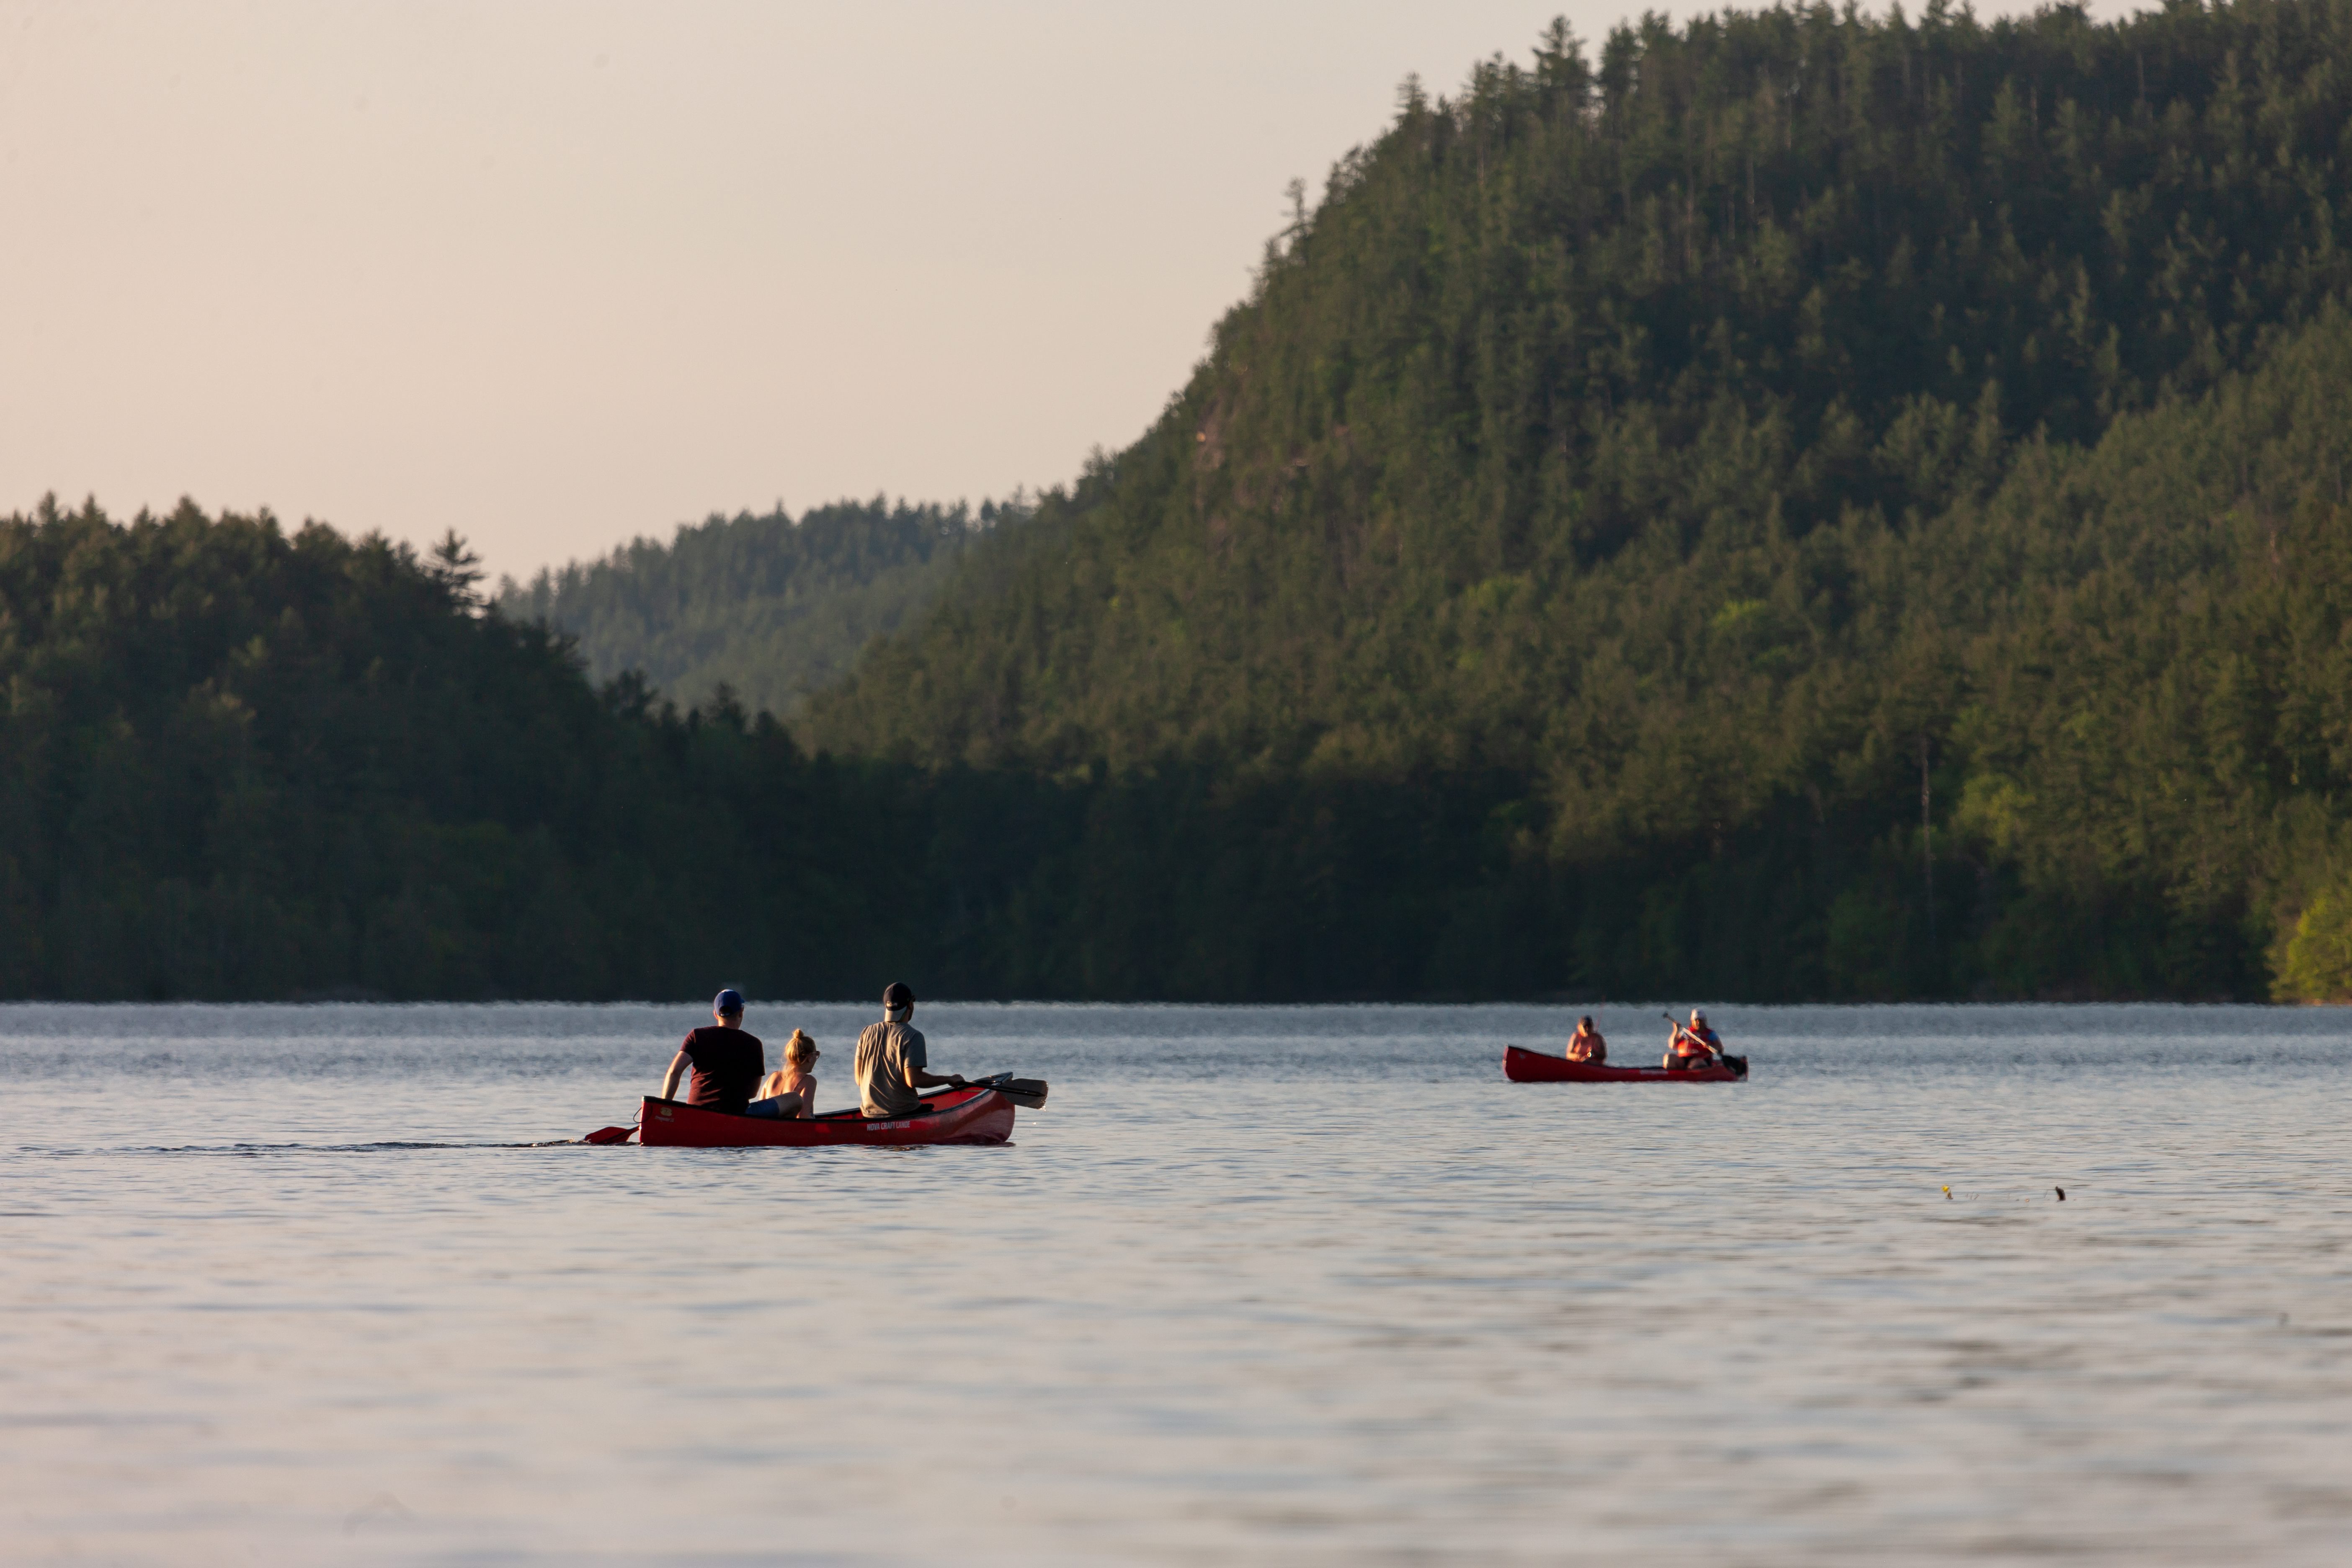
(1793, 504)
(770, 607)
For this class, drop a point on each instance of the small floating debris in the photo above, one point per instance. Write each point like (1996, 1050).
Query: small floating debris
(1951, 1196)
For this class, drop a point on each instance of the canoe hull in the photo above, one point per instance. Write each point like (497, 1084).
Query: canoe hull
(1536, 1066)
(959, 1116)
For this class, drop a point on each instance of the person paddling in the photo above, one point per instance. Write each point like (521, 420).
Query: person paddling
(892, 1057)
(727, 1063)
(1586, 1044)
(1693, 1045)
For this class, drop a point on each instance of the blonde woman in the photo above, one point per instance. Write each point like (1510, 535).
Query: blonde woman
(791, 1091)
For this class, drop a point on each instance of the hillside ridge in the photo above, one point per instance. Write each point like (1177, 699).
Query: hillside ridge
(768, 607)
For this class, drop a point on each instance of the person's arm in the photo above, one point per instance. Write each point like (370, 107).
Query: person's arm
(922, 1079)
(808, 1097)
(677, 1066)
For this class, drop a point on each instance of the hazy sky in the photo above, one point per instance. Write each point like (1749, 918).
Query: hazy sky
(560, 274)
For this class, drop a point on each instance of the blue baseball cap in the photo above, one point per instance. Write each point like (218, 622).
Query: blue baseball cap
(728, 1001)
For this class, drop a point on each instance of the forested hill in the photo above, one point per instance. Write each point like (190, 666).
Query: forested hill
(236, 762)
(771, 606)
(1676, 462)
(1731, 282)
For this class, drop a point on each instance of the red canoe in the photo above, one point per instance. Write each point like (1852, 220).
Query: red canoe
(958, 1116)
(1535, 1066)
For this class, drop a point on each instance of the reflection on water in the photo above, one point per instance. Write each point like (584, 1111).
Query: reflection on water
(1296, 1285)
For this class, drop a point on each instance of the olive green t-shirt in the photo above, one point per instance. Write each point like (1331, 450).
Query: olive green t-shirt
(886, 1055)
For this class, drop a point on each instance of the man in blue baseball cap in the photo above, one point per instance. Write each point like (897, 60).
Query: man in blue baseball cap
(727, 1063)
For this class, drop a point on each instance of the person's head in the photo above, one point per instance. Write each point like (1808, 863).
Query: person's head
(1584, 1024)
(800, 1051)
(1698, 1019)
(897, 1002)
(728, 1007)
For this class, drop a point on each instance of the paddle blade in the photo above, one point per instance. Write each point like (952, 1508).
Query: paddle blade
(1029, 1093)
(609, 1135)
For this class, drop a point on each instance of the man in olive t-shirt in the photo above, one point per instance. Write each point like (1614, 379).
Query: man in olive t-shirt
(891, 1060)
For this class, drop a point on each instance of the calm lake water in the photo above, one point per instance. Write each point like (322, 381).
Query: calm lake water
(1311, 1285)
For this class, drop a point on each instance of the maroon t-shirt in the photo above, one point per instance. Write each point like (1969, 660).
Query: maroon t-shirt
(728, 1067)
